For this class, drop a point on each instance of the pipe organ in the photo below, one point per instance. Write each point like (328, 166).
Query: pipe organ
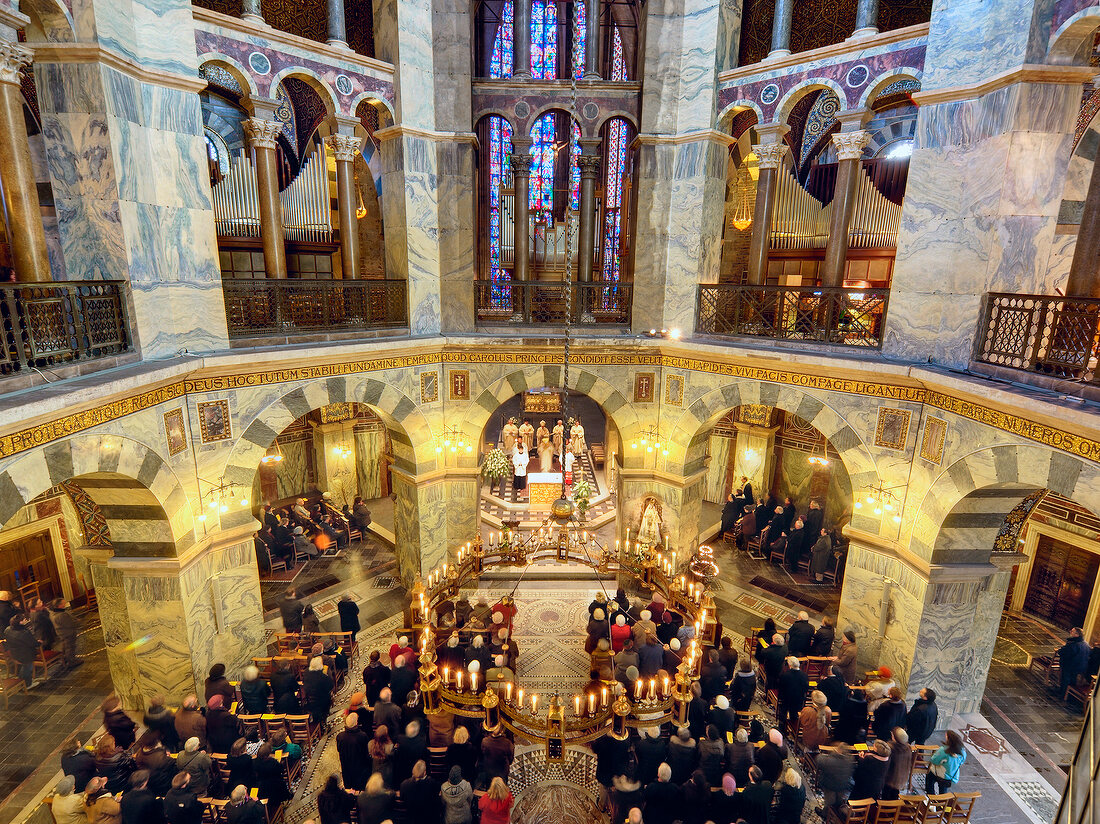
(549, 242)
(306, 204)
(875, 219)
(237, 201)
(800, 220)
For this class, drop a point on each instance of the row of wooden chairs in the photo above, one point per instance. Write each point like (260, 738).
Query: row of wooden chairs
(298, 728)
(294, 643)
(918, 765)
(214, 811)
(947, 808)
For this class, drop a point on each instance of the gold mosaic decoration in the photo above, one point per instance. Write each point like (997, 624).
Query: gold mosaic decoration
(935, 436)
(175, 433)
(337, 412)
(214, 421)
(674, 390)
(429, 387)
(893, 428)
(756, 414)
(460, 384)
(643, 387)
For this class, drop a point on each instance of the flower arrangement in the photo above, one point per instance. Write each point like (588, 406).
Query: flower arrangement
(569, 424)
(495, 466)
(582, 494)
(514, 420)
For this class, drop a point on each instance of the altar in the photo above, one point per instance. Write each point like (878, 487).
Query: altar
(544, 488)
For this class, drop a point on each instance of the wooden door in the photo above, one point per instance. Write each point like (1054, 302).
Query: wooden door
(1061, 584)
(30, 559)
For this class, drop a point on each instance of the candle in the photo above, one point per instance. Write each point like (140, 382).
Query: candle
(473, 682)
(577, 705)
(652, 689)
(519, 698)
(446, 675)
(665, 690)
(534, 705)
(628, 536)
(681, 582)
(458, 680)
(444, 570)
(591, 703)
(666, 543)
(616, 544)
(508, 691)
(603, 697)
(638, 689)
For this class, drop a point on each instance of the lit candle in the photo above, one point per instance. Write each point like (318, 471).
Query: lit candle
(508, 691)
(473, 682)
(577, 705)
(665, 691)
(681, 582)
(603, 697)
(534, 705)
(652, 689)
(638, 689)
(699, 595)
(444, 570)
(446, 675)
(458, 680)
(616, 544)
(591, 703)
(519, 698)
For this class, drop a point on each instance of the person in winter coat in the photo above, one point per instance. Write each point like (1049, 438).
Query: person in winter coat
(196, 763)
(834, 776)
(118, 723)
(791, 798)
(740, 755)
(190, 722)
(456, 794)
(376, 802)
(821, 645)
(820, 556)
(68, 806)
(182, 805)
(290, 608)
(77, 762)
(870, 772)
(162, 721)
(41, 626)
(845, 660)
(243, 809)
(800, 636)
(349, 615)
(218, 684)
(496, 804)
(353, 747)
(889, 714)
(334, 803)
(683, 754)
(139, 805)
(23, 647)
(67, 631)
(813, 722)
(99, 803)
(743, 688)
(901, 761)
(113, 764)
(254, 692)
(921, 720)
(1073, 659)
(222, 726)
(945, 764)
(651, 750)
(712, 754)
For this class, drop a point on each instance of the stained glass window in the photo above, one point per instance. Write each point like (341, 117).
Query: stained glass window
(500, 64)
(575, 168)
(618, 63)
(500, 145)
(578, 38)
(544, 39)
(616, 170)
(542, 168)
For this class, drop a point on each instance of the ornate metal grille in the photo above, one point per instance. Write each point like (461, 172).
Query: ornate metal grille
(534, 302)
(48, 324)
(834, 315)
(267, 307)
(1047, 334)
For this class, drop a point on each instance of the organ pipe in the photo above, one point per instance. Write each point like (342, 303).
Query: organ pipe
(548, 242)
(237, 201)
(306, 202)
(875, 219)
(800, 221)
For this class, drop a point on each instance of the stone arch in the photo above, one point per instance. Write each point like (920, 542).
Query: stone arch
(613, 403)
(246, 81)
(374, 99)
(1068, 42)
(800, 90)
(549, 107)
(618, 114)
(699, 418)
(32, 473)
(1021, 467)
(312, 79)
(51, 21)
(409, 429)
(883, 80)
(725, 117)
(481, 114)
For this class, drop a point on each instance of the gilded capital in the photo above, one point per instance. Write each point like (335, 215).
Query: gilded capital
(344, 146)
(521, 164)
(13, 57)
(262, 134)
(589, 165)
(849, 145)
(770, 155)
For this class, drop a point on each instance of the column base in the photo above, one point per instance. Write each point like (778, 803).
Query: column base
(858, 34)
(339, 44)
(254, 18)
(778, 54)
(591, 76)
(521, 75)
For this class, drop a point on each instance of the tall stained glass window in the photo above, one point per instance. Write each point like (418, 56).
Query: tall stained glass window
(500, 64)
(500, 149)
(575, 168)
(616, 169)
(544, 39)
(578, 37)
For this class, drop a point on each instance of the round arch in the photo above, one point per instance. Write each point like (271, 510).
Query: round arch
(783, 109)
(1020, 465)
(870, 94)
(29, 475)
(725, 117)
(550, 107)
(486, 113)
(1069, 43)
(238, 72)
(51, 21)
(618, 114)
(375, 100)
(312, 79)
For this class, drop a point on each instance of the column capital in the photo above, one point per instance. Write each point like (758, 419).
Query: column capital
(344, 146)
(589, 165)
(521, 163)
(770, 155)
(13, 57)
(261, 134)
(850, 145)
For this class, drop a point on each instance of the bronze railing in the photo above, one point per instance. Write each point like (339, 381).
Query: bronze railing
(255, 308)
(1047, 334)
(834, 315)
(53, 324)
(539, 302)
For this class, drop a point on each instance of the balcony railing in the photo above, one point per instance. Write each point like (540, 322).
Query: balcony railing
(834, 315)
(534, 302)
(53, 324)
(1046, 334)
(258, 308)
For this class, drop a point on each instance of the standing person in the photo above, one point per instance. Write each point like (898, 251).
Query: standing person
(921, 720)
(743, 689)
(496, 804)
(242, 809)
(834, 776)
(792, 798)
(360, 515)
(353, 746)
(381, 755)
(813, 721)
(822, 644)
(376, 802)
(1073, 658)
(349, 615)
(901, 761)
(65, 625)
(291, 610)
(508, 434)
(68, 806)
(546, 456)
(99, 805)
(542, 432)
(662, 798)
(196, 763)
(420, 792)
(318, 686)
(756, 798)
(945, 763)
(527, 436)
(8, 608)
(117, 722)
(456, 795)
(181, 804)
(270, 777)
(793, 686)
(870, 772)
(376, 677)
(23, 647)
(570, 461)
(520, 459)
(334, 803)
(576, 436)
(845, 660)
(800, 636)
(557, 436)
(41, 625)
(820, 555)
(254, 691)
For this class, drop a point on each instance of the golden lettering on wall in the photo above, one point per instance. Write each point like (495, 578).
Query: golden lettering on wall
(542, 402)
(336, 412)
(757, 414)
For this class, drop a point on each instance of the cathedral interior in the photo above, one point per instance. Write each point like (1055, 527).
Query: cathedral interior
(730, 311)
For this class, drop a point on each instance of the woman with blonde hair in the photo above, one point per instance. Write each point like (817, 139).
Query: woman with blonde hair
(375, 803)
(496, 804)
(792, 798)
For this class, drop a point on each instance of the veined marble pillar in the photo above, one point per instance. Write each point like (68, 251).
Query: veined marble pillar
(589, 163)
(261, 135)
(337, 27)
(521, 213)
(781, 28)
(866, 18)
(335, 458)
(22, 214)
(252, 10)
(521, 40)
(755, 456)
(770, 157)
(849, 149)
(592, 40)
(1084, 271)
(433, 518)
(344, 148)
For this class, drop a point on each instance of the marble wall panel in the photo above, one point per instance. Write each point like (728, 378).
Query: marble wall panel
(463, 513)
(117, 635)
(158, 624)
(717, 469)
(158, 34)
(1059, 260)
(1000, 32)
(290, 472)
(456, 234)
(369, 447)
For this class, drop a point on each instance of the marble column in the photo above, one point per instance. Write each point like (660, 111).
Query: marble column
(521, 213)
(849, 150)
(755, 456)
(1084, 271)
(781, 28)
(335, 471)
(433, 518)
(261, 135)
(866, 18)
(252, 10)
(770, 157)
(592, 39)
(344, 148)
(22, 214)
(521, 40)
(589, 163)
(337, 27)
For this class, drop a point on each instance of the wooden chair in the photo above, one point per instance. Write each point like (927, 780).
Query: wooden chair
(275, 563)
(90, 600)
(915, 809)
(220, 761)
(921, 754)
(832, 574)
(287, 642)
(750, 639)
(860, 811)
(273, 723)
(816, 667)
(10, 684)
(1048, 669)
(48, 658)
(886, 812)
(437, 763)
(939, 808)
(961, 808)
(250, 726)
(266, 666)
(776, 557)
(210, 813)
(1082, 693)
(302, 732)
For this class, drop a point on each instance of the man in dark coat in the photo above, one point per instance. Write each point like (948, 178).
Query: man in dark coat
(835, 768)
(352, 746)
(222, 727)
(772, 658)
(800, 636)
(1073, 658)
(23, 647)
(77, 762)
(651, 750)
(244, 810)
(730, 512)
(318, 686)
(181, 805)
(822, 643)
(67, 634)
(349, 615)
(920, 722)
(420, 795)
(662, 798)
(814, 520)
(412, 746)
(744, 494)
(763, 515)
(497, 754)
(792, 689)
(139, 804)
(376, 676)
(835, 689)
(713, 677)
(756, 799)
(290, 607)
(746, 528)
